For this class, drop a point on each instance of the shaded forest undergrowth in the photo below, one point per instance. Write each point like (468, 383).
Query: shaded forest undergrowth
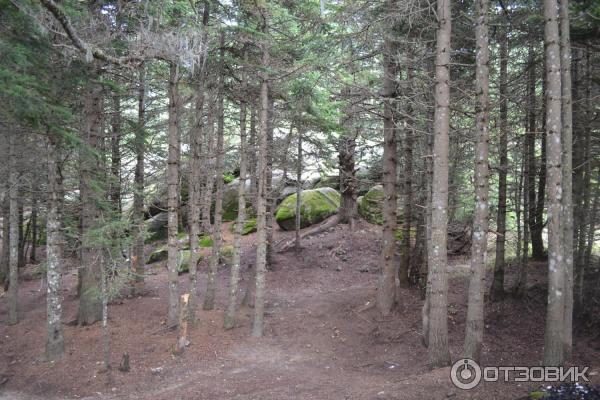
(323, 339)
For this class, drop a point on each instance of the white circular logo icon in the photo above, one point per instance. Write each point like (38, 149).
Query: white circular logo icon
(465, 374)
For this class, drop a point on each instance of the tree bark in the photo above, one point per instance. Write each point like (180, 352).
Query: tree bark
(173, 196)
(386, 291)
(138, 195)
(474, 324)
(55, 346)
(555, 320)
(298, 244)
(261, 217)
(90, 302)
(497, 290)
(4, 258)
(34, 223)
(567, 171)
(211, 282)
(229, 320)
(115, 166)
(439, 354)
(13, 260)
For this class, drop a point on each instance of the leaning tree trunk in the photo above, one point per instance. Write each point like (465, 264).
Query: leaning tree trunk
(91, 192)
(497, 290)
(567, 177)
(211, 282)
(55, 344)
(386, 291)
(138, 194)
(261, 217)
(474, 325)
(13, 216)
(439, 354)
(555, 319)
(173, 197)
(229, 320)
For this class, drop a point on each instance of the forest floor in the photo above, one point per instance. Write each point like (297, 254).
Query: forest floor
(324, 339)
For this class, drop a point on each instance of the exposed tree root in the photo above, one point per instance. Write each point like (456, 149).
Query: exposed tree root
(323, 226)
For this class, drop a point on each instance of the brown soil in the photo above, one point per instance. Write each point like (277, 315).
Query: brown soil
(323, 340)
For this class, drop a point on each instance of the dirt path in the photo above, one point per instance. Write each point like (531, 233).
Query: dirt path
(323, 340)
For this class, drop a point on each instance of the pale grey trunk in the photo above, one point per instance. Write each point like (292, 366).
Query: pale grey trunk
(474, 324)
(173, 197)
(439, 354)
(209, 168)
(555, 318)
(194, 181)
(261, 217)
(211, 282)
(115, 166)
(298, 244)
(138, 194)
(5, 221)
(567, 174)
(497, 290)
(229, 321)
(55, 346)
(13, 246)
(386, 290)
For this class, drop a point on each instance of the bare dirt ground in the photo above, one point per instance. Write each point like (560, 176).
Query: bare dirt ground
(323, 338)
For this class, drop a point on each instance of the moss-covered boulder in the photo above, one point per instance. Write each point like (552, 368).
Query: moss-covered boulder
(315, 206)
(370, 205)
(249, 226)
(330, 181)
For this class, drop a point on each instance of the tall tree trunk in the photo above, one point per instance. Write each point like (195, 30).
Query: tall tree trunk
(528, 172)
(582, 173)
(208, 166)
(91, 192)
(386, 291)
(22, 234)
(138, 194)
(115, 166)
(567, 177)
(211, 282)
(270, 189)
(261, 217)
(474, 325)
(194, 182)
(497, 290)
(555, 320)
(439, 354)
(346, 150)
(408, 272)
(55, 344)
(13, 260)
(5, 229)
(537, 242)
(298, 244)
(229, 320)
(173, 196)
(34, 223)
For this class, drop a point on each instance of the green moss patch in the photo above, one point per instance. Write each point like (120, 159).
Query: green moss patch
(315, 206)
